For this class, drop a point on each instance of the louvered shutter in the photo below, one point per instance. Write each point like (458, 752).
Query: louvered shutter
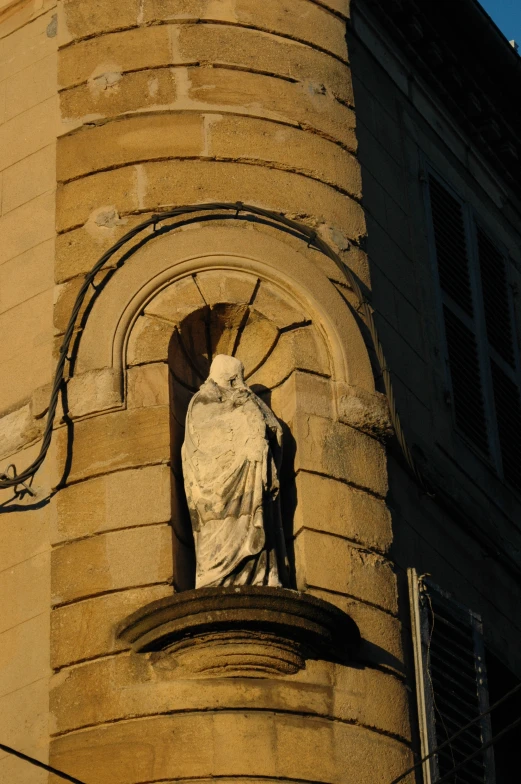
(452, 259)
(451, 684)
(502, 350)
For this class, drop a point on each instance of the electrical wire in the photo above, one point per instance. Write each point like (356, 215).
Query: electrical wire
(38, 764)
(459, 732)
(313, 240)
(480, 750)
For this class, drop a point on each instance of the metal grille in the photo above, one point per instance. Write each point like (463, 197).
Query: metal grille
(495, 297)
(451, 245)
(450, 671)
(465, 374)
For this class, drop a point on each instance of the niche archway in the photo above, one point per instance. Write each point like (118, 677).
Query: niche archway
(241, 315)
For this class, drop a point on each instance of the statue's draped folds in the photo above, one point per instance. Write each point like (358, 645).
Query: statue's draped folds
(231, 456)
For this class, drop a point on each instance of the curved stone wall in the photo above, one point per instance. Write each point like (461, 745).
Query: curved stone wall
(169, 102)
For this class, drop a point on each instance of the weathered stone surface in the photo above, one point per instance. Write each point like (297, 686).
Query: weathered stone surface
(129, 141)
(305, 393)
(219, 286)
(118, 500)
(129, 685)
(300, 349)
(285, 147)
(18, 429)
(268, 748)
(94, 391)
(80, 21)
(176, 301)
(126, 439)
(331, 506)
(298, 19)
(243, 630)
(341, 452)
(330, 563)
(85, 630)
(98, 206)
(147, 385)
(250, 93)
(110, 562)
(273, 305)
(112, 93)
(149, 341)
(364, 411)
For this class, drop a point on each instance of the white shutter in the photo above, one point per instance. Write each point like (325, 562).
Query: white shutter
(451, 684)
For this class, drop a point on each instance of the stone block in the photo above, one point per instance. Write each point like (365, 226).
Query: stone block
(330, 563)
(301, 349)
(94, 391)
(170, 183)
(17, 429)
(147, 385)
(381, 632)
(103, 751)
(333, 507)
(24, 654)
(305, 393)
(125, 439)
(27, 132)
(337, 450)
(123, 499)
(111, 562)
(31, 86)
(365, 411)
(27, 226)
(99, 206)
(29, 178)
(289, 148)
(149, 341)
(128, 141)
(28, 369)
(29, 43)
(250, 48)
(225, 286)
(134, 49)
(305, 749)
(27, 586)
(244, 92)
(80, 21)
(24, 717)
(85, 630)
(298, 19)
(176, 301)
(257, 340)
(111, 93)
(25, 535)
(270, 303)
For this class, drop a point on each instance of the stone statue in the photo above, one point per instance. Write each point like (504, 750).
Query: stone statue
(231, 456)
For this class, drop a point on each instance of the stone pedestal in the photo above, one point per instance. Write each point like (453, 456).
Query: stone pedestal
(240, 631)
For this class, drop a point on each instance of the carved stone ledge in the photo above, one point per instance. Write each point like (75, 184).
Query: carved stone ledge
(248, 631)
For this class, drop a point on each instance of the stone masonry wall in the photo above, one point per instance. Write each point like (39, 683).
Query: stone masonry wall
(28, 104)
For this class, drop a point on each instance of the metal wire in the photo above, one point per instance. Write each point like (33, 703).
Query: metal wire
(38, 764)
(238, 207)
(480, 750)
(459, 732)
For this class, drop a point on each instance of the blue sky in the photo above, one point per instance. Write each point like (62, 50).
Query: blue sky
(507, 15)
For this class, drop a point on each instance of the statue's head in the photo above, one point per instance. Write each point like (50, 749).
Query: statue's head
(227, 372)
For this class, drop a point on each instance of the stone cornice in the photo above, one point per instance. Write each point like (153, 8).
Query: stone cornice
(472, 67)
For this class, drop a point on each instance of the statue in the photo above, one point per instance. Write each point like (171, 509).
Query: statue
(231, 457)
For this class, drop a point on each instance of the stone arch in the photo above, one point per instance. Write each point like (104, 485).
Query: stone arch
(185, 295)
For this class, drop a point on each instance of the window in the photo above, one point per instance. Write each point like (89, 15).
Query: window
(479, 327)
(451, 685)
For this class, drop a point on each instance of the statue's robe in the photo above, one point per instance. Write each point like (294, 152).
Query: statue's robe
(230, 455)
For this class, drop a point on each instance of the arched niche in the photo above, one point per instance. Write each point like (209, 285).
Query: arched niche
(186, 296)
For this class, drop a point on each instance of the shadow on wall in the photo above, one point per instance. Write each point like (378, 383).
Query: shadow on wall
(237, 330)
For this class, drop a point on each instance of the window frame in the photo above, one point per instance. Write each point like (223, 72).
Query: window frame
(473, 221)
(425, 697)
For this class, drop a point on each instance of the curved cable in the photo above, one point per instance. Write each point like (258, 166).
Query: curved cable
(238, 207)
(38, 764)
